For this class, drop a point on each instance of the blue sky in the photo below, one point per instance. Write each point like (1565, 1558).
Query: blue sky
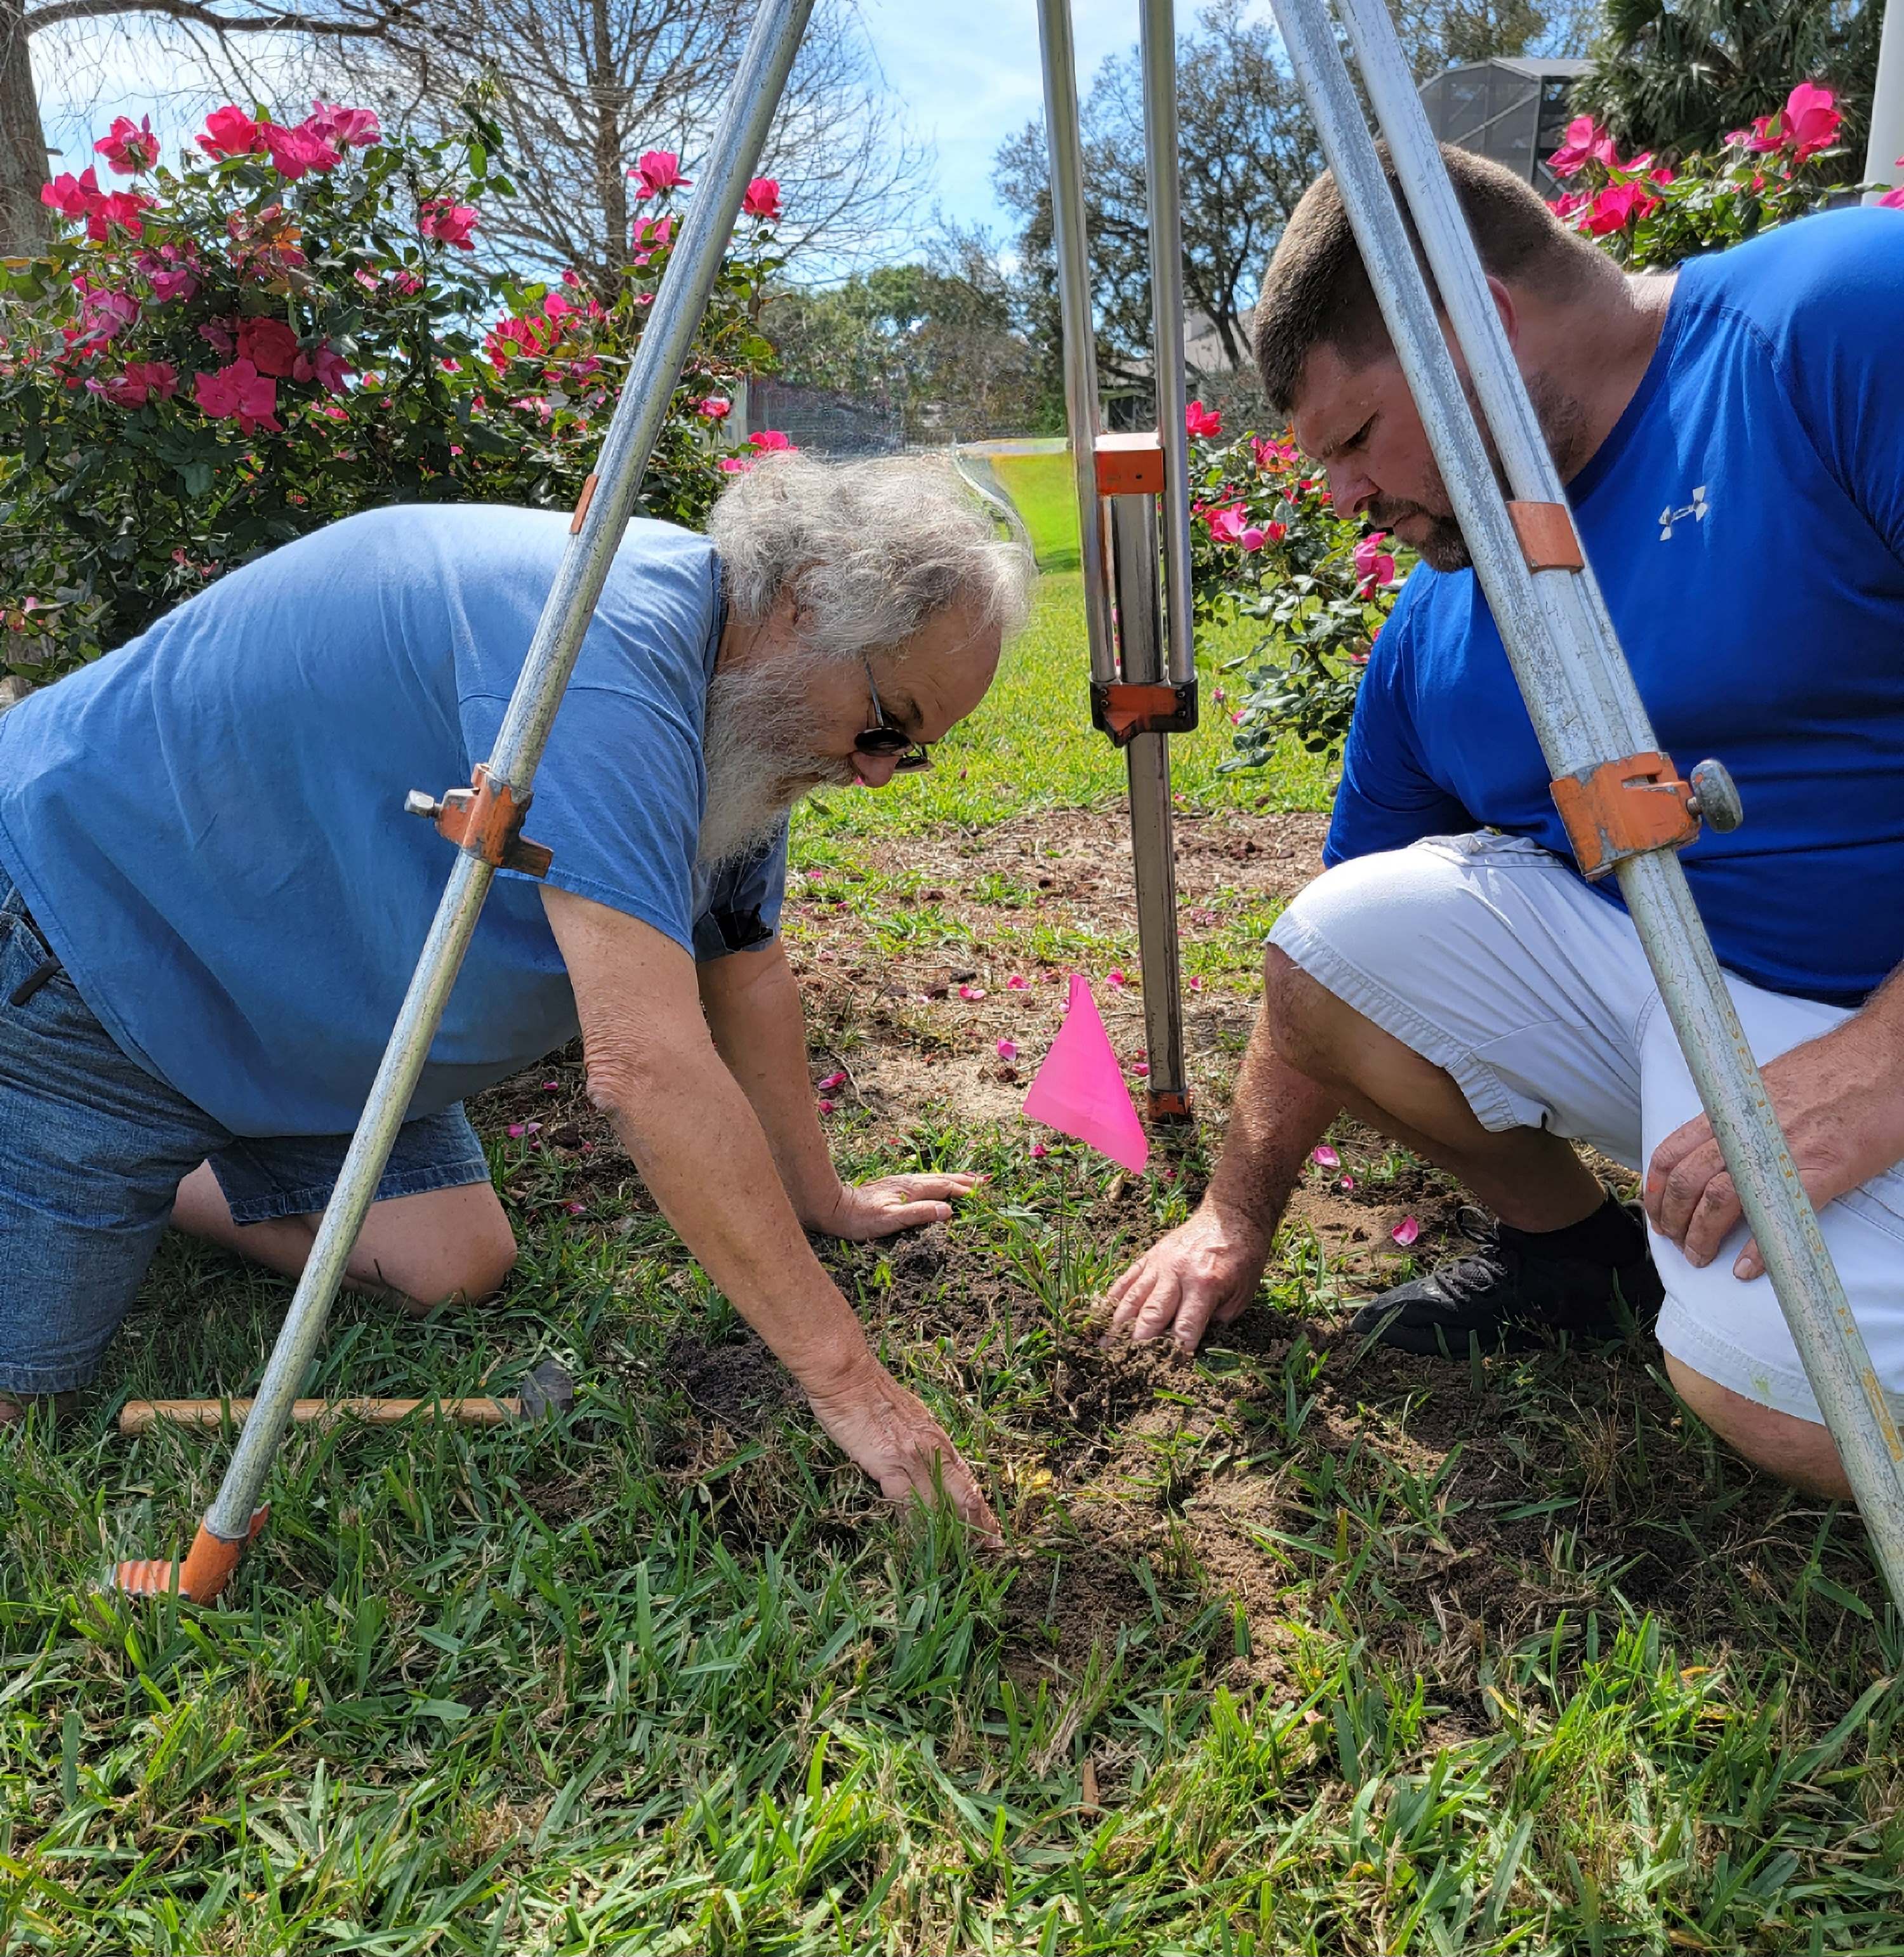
(965, 76)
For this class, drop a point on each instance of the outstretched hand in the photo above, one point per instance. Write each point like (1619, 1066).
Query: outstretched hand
(891, 1435)
(865, 1210)
(1205, 1272)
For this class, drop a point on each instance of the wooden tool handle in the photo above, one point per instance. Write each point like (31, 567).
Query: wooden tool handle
(139, 1416)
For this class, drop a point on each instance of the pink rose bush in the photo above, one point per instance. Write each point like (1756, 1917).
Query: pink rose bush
(1648, 214)
(286, 328)
(1267, 544)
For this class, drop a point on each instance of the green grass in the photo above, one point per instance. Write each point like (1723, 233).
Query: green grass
(1044, 490)
(1510, 1658)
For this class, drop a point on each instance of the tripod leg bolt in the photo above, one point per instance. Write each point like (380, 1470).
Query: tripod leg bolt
(1715, 797)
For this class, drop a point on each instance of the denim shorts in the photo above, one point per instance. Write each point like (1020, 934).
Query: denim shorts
(92, 1149)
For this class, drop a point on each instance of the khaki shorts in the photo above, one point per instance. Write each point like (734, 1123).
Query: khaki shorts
(1490, 957)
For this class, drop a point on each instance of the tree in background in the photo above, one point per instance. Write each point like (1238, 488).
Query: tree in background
(582, 88)
(1247, 153)
(936, 342)
(213, 27)
(1675, 79)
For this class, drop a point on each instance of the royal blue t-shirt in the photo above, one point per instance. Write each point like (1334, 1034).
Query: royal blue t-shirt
(208, 824)
(1745, 520)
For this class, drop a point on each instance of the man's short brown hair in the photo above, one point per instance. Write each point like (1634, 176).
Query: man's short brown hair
(1316, 292)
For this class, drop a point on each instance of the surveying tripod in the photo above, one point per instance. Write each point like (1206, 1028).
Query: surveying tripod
(1626, 810)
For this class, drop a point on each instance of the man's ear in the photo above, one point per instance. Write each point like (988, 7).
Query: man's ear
(1504, 305)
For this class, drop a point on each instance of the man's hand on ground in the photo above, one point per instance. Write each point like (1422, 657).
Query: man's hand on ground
(1840, 1101)
(1203, 1273)
(865, 1210)
(888, 1433)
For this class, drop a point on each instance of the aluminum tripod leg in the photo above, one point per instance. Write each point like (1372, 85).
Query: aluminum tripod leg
(1149, 655)
(601, 519)
(1579, 692)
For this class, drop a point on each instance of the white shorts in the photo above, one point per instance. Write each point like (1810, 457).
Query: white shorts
(1488, 956)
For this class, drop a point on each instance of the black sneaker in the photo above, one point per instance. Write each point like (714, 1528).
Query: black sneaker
(1515, 1287)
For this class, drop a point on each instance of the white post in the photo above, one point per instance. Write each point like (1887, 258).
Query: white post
(1887, 106)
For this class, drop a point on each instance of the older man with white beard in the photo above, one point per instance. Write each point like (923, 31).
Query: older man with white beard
(210, 903)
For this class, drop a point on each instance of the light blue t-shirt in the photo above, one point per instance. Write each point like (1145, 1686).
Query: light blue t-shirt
(1745, 520)
(208, 823)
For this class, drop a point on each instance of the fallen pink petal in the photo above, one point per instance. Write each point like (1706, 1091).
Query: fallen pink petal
(826, 1107)
(971, 992)
(577, 1209)
(1406, 1231)
(1017, 983)
(833, 1080)
(1141, 1067)
(1116, 979)
(551, 1087)
(1008, 1049)
(1326, 1157)
(1039, 1152)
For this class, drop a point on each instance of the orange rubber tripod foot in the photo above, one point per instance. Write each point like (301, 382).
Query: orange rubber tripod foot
(206, 1569)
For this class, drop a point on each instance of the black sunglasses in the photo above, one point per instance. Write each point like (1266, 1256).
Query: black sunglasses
(886, 737)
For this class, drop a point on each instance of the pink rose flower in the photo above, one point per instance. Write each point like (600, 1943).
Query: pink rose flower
(659, 170)
(716, 408)
(447, 222)
(1811, 117)
(296, 152)
(230, 132)
(1586, 142)
(269, 345)
(763, 200)
(1204, 424)
(1373, 565)
(128, 146)
(1618, 205)
(239, 391)
(343, 128)
(768, 440)
(327, 367)
(143, 381)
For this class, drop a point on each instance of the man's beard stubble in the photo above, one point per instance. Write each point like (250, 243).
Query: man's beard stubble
(1563, 421)
(760, 746)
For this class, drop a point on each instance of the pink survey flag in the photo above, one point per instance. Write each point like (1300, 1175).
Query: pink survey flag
(1080, 1088)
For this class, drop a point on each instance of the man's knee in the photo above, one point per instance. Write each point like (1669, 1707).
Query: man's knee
(431, 1249)
(1797, 1451)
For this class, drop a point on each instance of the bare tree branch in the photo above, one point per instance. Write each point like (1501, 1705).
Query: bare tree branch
(59, 11)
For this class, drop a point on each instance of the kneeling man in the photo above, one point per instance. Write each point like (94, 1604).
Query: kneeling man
(1730, 437)
(211, 902)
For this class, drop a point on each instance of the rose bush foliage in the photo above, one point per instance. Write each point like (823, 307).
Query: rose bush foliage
(1268, 545)
(292, 325)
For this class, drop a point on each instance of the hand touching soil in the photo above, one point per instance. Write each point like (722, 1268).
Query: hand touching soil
(889, 1432)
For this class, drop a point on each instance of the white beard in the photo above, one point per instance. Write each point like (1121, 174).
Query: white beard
(759, 747)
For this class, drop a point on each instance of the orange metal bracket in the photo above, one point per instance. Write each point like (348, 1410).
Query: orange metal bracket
(582, 504)
(1624, 808)
(486, 820)
(1126, 708)
(1547, 536)
(1167, 1105)
(1130, 465)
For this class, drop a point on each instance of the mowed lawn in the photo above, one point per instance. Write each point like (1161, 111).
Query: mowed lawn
(1296, 1648)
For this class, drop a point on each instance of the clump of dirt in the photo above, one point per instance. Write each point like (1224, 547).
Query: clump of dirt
(740, 1386)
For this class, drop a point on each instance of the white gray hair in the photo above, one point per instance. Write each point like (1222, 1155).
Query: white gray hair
(870, 551)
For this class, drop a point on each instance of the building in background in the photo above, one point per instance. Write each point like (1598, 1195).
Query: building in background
(1512, 110)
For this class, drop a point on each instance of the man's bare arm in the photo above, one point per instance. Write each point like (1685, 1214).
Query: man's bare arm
(1207, 1270)
(1840, 1099)
(689, 1131)
(752, 1002)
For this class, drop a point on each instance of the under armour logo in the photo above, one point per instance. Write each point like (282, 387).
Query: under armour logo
(1698, 509)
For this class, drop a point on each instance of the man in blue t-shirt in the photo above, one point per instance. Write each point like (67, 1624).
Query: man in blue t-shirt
(1731, 437)
(211, 902)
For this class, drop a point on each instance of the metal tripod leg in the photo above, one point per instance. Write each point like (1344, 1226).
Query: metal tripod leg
(600, 519)
(1143, 673)
(1147, 758)
(1591, 723)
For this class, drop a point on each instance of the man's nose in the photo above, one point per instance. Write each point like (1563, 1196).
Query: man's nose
(1352, 490)
(875, 770)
